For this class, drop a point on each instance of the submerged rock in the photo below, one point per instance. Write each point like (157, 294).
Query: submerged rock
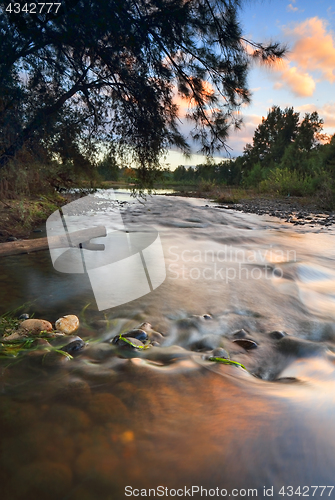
(133, 338)
(131, 342)
(67, 324)
(240, 334)
(152, 334)
(277, 335)
(137, 333)
(219, 352)
(207, 316)
(74, 347)
(145, 326)
(299, 347)
(246, 343)
(207, 343)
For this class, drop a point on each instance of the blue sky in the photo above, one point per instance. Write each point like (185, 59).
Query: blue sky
(305, 79)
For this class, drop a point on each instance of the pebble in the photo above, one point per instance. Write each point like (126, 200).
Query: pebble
(207, 316)
(67, 324)
(277, 335)
(74, 347)
(34, 327)
(122, 343)
(145, 326)
(219, 352)
(24, 316)
(136, 336)
(246, 343)
(240, 334)
(152, 334)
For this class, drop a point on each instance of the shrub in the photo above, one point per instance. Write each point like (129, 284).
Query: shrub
(285, 182)
(254, 176)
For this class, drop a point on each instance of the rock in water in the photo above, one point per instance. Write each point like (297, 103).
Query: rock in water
(277, 335)
(24, 316)
(219, 352)
(207, 316)
(239, 334)
(136, 333)
(246, 344)
(67, 324)
(74, 347)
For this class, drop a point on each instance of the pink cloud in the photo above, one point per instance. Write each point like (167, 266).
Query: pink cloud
(300, 82)
(326, 112)
(314, 48)
(312, 55)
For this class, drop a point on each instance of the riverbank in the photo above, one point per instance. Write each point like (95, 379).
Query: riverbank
(19, 218)
(293, 209)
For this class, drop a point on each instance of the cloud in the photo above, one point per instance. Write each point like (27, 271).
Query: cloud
(311, 58)
(290, 8)
(299, 82)
(327, 112)
(314, 47)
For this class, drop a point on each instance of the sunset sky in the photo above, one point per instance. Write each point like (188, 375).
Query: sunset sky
(305, 79)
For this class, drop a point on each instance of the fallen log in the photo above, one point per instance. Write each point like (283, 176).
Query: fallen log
(72, 240)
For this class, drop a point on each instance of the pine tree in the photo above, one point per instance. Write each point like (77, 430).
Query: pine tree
(119, 64)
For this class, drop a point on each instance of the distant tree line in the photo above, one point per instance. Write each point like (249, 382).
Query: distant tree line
(224, 172)
(288, 155)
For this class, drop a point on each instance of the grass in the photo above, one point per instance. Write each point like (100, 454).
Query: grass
(9, 324)
(19, 217)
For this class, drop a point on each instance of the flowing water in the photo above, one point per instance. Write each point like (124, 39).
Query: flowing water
(166, 421)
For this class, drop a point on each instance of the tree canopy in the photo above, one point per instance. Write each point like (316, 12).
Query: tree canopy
(111, 71)
(281, 135)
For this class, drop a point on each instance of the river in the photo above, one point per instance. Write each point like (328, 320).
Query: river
(166, 421)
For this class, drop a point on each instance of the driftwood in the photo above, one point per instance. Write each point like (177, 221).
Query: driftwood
(27, 246)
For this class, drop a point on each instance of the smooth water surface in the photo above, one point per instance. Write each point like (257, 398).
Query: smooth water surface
(167, 416)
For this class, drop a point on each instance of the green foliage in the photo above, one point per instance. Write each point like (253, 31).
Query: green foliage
(287, 183)
(231, 195)
(226, 361)
(271, 138)
(206, 186)
(108, 169)
(227, 172)
(255, 176)
(287, 157)
(279, 132)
